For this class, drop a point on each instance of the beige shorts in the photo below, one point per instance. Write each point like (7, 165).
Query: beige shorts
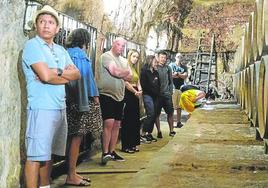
(176, 98)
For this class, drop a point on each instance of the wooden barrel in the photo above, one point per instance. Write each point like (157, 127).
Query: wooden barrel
(255, 52)
(265, 28)
(246, 46)
(260, 28)
(242, 89)
(254, 91)
(247, 92)
(241, 55)
(259, 12)
(236, 86)
(250, 39)
(263, 97)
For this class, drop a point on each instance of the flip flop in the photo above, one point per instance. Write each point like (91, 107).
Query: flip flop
(82, 183)
(86, 179)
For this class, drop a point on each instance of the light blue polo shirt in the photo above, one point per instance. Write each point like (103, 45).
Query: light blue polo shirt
(44, 95)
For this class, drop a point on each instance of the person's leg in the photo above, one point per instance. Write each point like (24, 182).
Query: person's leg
(200, 95)
(31, 172)
(150, 114)
(107, 105)
(157, 124)
(72, 176)
(178, 116)
(114, 135)
(170, 122)
(175, 98)
(127, 122)
(44, 172)
(168, 107)
(158, 108)
(179, 124)
(108, 125)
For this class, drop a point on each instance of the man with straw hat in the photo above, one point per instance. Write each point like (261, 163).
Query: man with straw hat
(47, 68)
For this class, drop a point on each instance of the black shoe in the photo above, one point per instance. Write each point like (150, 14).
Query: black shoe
(172, 133)
(150, 136)
(159, 135)
(198, 105)
(179, 125)
(117, 157)
(105, 158)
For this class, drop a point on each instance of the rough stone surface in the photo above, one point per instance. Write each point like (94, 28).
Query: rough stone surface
(11, 42)
(224, 19)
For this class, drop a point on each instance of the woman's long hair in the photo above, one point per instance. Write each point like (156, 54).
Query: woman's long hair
(78, 38)
(136, 66)
(149, 60)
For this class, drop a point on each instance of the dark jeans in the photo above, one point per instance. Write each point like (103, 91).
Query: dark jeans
(150, 109)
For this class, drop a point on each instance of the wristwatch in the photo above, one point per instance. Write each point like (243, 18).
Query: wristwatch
(59, 71)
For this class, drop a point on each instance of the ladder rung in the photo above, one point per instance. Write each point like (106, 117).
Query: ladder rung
(212, 73)
(206, 62)
(203, 62)
(204, 53)
(201, 69)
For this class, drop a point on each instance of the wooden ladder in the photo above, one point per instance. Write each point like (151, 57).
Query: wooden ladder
(205, 64)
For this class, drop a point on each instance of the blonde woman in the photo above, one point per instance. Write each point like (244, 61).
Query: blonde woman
(130, 131)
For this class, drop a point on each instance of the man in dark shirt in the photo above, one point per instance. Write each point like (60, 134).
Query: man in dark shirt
(166, 90)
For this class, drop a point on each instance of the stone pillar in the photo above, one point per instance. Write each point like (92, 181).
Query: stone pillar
(11, 118)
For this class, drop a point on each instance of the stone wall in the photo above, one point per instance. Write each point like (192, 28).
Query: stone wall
(11, 42)
(224, 19)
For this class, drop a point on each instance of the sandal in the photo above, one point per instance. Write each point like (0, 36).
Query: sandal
(82, 183)
(86, 179)
(130, 151)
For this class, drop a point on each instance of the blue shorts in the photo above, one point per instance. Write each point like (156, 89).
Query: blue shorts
(46, 134)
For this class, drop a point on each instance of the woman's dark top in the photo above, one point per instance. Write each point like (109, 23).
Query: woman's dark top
(149, 81)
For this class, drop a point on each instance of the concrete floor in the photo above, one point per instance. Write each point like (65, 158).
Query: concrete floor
(215, 148)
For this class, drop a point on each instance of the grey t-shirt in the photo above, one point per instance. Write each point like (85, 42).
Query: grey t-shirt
(109, 85)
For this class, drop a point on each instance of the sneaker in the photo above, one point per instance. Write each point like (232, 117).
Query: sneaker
(159, 135)
(179, 125)
(144, 139)
(150, 136)
(117, 157)
(127, 150)
(197, 105)
(172, 133)
(105, 158)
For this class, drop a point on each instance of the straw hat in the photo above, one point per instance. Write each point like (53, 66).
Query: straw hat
(47, 10)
